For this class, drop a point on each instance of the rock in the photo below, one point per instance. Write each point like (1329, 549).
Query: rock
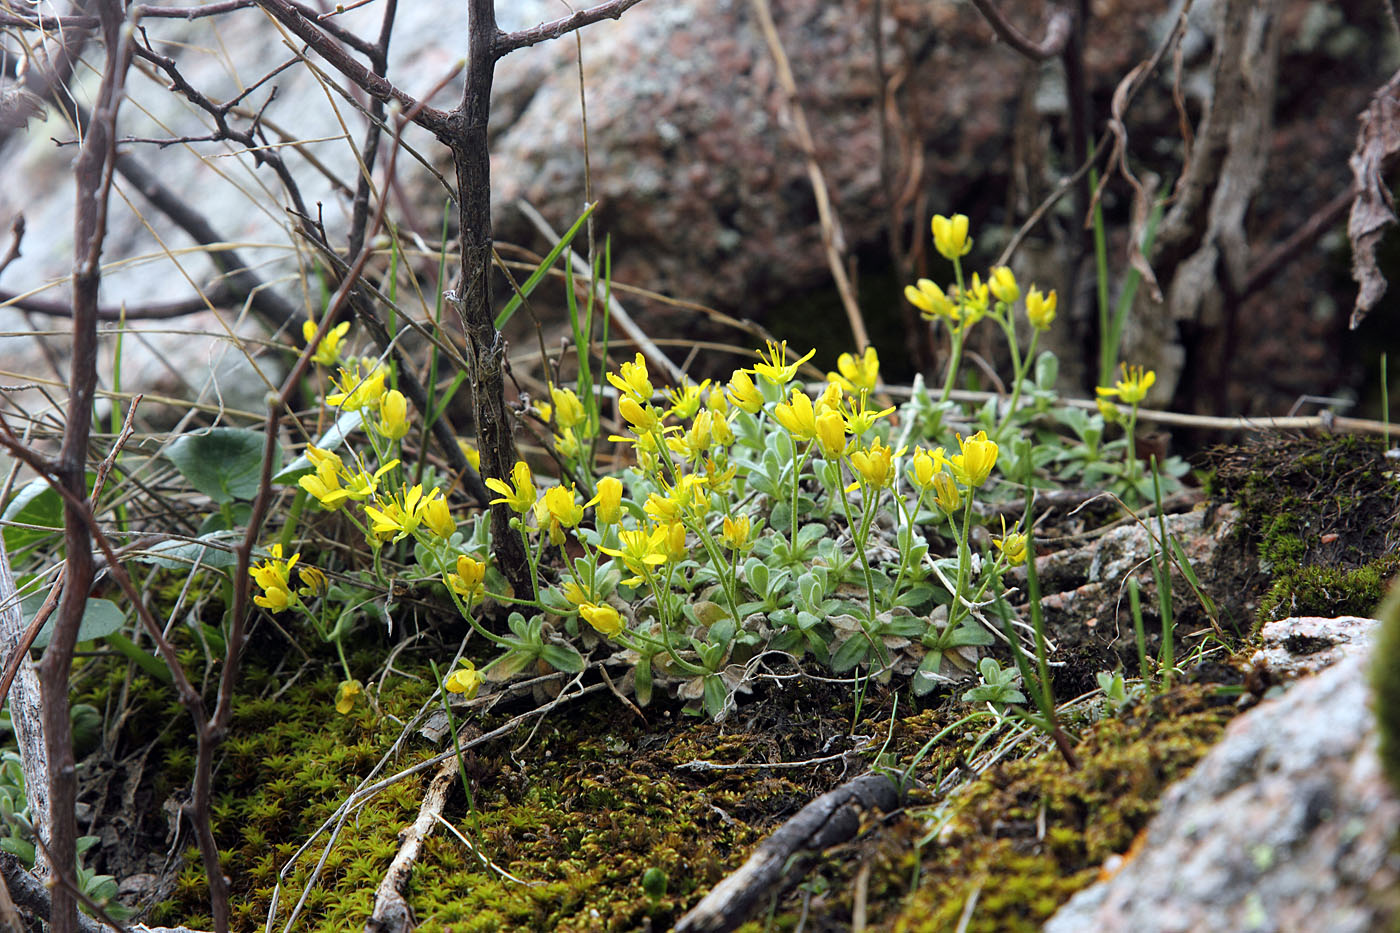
(1286, 825)
(1085, 588)
(1296, 647)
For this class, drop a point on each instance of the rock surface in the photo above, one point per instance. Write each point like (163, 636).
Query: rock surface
(1286, 825)
(1296, 647)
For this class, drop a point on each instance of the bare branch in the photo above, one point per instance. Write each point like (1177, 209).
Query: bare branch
(378, 87)
(507, 42)
(1057, 31)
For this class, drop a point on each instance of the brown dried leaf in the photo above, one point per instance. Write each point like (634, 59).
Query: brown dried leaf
(1377, 143)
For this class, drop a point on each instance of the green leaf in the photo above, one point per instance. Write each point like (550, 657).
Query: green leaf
(223, 463)
(562, 658)
(183, 555)
(543, 268)
(35, 504)
(716, 693)
(101, 617)
(852, 651)
(348, 423)
(642, 684)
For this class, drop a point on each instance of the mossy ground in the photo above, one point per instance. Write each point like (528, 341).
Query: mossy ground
(1323, 516)
(581, 805)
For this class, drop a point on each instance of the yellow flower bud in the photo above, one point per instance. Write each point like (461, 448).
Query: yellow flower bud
(1040, 309)
(568, 409)
(743, 393)
(1002, 283)
(393, 415)
(945, 493)
(608, 501)
(831, 433)
(931, 301)
(642, 418)
(604, 618)
(438, 516)
(950, 235)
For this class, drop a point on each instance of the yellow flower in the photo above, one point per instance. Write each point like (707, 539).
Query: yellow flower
(345, 696)
(567, 445)
(273, 576)
(313, 581)
(685, 401)
(361, 486)
(719, 479)
(1040, 309)
(568, 409)
(857, 374)
(393, 415)
(922, 469)
(797, 416)
(640, 549)
(560, 504)
(1110, 411)
(861, 419)
(466, 680)
(775, 367)
(1012, 546)
(324, 484)
(719, 425)
(1132, 388)
(975, 300)
(545, 410)
(358, 390)
(633, 381)
(519, 497)
(641, 418)
(931, 301)
(274, 599)
(608, 501)
(603, 618)
(873, 464)
(950, 235)
(743, 393)
(831, 398)
(328, 350)
(945, 493)
(831, 433)
(573, 593)
(468, 580)
(974, 464)
(735, 532)
(399, 516)
(438, 516)
(693, 443)
(471, 453)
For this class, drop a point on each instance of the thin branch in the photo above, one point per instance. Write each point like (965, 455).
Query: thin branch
(507, 42)
(1326, 217)
(833, 240)
(158, 311)
(435, 121)
(16, 237)
(1057, 31)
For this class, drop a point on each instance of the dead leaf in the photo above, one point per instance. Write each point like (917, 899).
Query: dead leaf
(1373, 210)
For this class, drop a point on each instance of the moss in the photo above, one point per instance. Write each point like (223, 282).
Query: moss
(1385, 682)
(987, 840)
(1329, 591)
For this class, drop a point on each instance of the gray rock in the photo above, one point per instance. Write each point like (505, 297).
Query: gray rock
(1296, 647)
(1286, 825)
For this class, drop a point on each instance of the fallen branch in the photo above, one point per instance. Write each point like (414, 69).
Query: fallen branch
(391, 911)
(832, 818)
